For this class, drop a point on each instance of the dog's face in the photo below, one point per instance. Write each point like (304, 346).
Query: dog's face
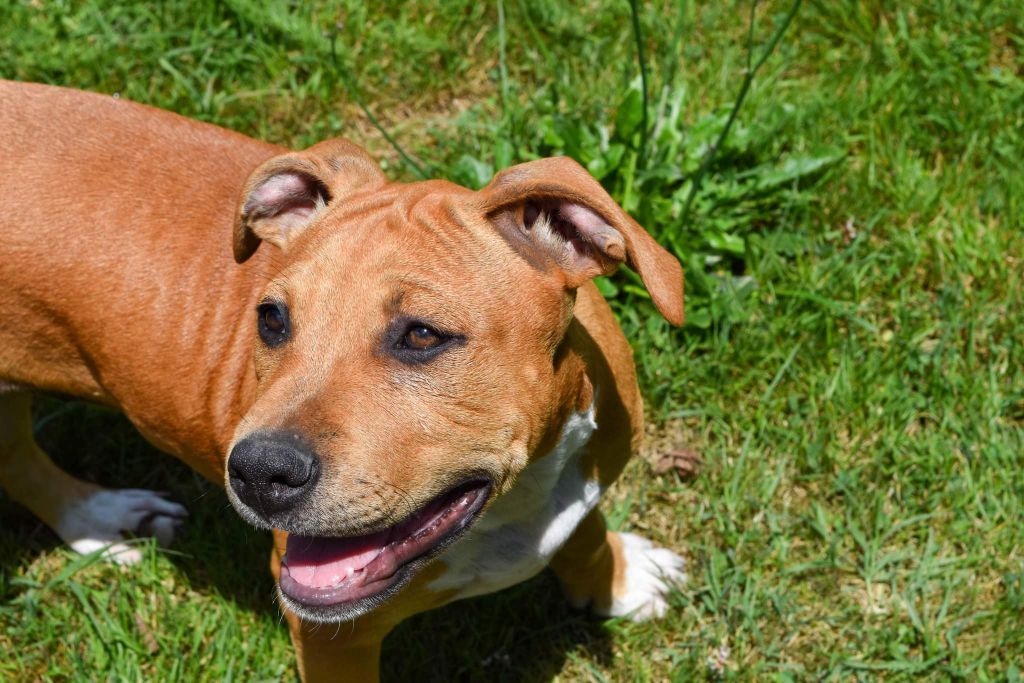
(407, 356)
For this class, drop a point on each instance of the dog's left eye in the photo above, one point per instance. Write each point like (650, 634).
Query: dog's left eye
(414, 341)
(272, 322)
(421, 338)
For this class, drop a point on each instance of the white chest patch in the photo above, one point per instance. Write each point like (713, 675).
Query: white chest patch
(523, 529)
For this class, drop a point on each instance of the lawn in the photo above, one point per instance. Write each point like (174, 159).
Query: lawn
(851, 373)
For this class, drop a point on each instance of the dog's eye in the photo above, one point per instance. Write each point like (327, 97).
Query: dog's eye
(272, 319)
(421, 338)
(414, 342)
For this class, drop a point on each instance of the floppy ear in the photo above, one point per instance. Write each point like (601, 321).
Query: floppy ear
(557, 212)
(284, 195)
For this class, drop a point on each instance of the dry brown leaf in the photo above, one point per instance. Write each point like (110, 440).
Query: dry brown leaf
(686, 462)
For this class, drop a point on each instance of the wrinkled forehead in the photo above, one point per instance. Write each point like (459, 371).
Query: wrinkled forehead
(424, 248)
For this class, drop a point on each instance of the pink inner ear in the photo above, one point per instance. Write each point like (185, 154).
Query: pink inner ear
(292, 194)
(593, 229)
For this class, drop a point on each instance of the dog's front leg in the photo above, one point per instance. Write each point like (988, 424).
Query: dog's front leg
(616, 574)
(87, 517)
(332, 653)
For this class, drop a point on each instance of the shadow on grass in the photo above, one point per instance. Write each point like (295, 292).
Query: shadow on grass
(217, 550)
(521, 634)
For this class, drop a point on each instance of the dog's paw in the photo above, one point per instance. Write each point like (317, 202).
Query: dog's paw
(651, 573)
(106, 518)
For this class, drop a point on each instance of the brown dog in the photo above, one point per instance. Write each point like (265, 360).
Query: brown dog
(416, 386)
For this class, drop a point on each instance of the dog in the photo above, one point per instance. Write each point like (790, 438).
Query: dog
(417, 387)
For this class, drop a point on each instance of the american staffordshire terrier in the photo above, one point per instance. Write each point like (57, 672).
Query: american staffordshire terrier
(415, 386)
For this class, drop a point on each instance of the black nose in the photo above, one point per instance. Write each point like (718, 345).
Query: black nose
(272, 472)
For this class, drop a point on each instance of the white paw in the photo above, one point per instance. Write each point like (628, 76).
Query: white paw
(104, 519)
(651, 572)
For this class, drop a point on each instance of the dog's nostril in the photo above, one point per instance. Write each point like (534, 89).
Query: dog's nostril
(271, 473)
(295, 474)
(233, 470)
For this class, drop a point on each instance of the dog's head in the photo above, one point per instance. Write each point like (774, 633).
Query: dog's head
(408, 347)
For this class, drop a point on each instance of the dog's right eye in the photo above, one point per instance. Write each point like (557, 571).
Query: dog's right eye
(272, 323)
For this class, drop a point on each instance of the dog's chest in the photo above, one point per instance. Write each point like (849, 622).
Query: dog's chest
(523, 529)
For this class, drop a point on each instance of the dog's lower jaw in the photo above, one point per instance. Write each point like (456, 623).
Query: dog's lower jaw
(344, 612)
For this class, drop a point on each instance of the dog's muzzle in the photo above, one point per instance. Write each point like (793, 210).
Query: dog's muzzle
(272, 472)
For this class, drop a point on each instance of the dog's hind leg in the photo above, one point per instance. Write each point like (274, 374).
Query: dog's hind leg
(617, 574)
(84, 515)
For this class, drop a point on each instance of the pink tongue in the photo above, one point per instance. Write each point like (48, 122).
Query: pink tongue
(322, 562)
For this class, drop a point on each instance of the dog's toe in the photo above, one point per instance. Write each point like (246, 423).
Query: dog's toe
(651, 573)
(105, 518)
(161, 527)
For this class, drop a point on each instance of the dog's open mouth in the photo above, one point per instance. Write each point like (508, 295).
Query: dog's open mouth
(325, 572)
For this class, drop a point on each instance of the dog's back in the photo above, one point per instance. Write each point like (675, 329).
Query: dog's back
(114, 237)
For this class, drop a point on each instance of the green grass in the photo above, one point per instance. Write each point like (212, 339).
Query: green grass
(852, 373)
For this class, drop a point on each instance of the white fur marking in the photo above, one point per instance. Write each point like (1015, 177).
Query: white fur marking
(101, 520)
(651, 572)
(524, 528)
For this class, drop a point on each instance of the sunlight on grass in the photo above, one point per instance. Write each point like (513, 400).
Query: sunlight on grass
(851, 371)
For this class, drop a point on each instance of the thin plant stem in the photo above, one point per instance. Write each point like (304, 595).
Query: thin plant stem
(670, 65)
(342, 75)
(639, 37)
(502, 58)
(748, 78)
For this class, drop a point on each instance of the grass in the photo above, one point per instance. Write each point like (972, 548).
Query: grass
(852, 372)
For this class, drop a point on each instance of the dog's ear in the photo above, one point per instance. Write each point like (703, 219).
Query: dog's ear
(554, 211)
(285, 194)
